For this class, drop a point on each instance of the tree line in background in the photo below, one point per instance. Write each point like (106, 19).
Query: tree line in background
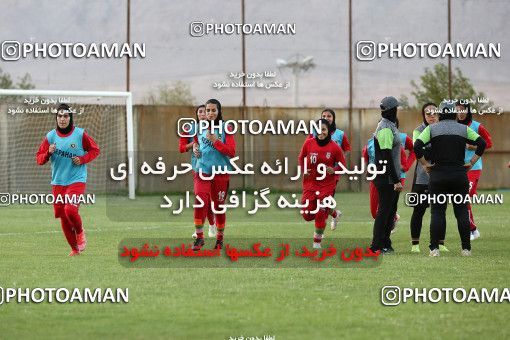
(24, 83)
(433, 88)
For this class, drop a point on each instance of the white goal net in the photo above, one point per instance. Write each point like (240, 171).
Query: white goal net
(27, 115)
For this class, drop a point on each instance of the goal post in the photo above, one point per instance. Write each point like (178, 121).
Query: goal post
(16, 97)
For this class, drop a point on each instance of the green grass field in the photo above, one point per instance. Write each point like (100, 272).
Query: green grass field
(288, 303)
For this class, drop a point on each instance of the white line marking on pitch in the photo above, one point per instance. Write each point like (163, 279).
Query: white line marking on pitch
(59, 231)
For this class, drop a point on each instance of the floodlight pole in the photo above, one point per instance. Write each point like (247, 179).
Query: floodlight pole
(128, 39)
(297, 67)
(296, 86)
(449, 56)
(243, 110)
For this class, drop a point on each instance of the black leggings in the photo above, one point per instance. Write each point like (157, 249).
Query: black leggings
(388, 200)
(449, 182)
(418, 211)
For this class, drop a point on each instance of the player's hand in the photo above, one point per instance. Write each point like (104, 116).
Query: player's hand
(52, 148)
(330, 170)
(212, 137)
(471, 147)
(468, 166)
(196, 150)
(76, 160)
(428, 167)
(398, 187)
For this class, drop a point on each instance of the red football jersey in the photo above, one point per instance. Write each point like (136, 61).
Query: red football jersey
(329, 154)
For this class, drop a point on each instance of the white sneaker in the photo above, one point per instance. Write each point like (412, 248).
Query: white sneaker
(474, 235)
(434, 253)
(465, 252)
(194, 235)
(212, 231)
(316, 245)
(334, 221)
(397, 218)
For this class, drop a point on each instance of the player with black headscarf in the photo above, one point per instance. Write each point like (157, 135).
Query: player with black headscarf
(387, 154)
(68, 148)
(318, 152)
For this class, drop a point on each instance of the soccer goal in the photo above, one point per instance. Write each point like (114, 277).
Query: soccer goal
(27, 115)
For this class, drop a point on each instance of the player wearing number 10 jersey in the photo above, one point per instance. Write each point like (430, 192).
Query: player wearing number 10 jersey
(320, 150)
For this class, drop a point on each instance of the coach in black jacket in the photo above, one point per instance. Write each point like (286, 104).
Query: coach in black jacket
(448, 173)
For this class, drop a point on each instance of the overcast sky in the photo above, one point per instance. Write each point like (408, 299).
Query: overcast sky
(321, 32)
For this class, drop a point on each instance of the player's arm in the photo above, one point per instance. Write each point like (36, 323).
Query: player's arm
(364, 154)
(196, 147)
(426, 151)
(403, 160)
(346, 146)
(482, 131)
(228, 148)
(475, 138)
(416, 134)
(302, 154)
(301, 157)
(90, 146)
(385, 140)
(44, 153)
(184, 146)
(340, 159)
(420, 140)
(423, 139)
(411, 157)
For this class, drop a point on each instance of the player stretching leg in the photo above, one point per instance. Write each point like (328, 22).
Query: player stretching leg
(213, 148)
(320, 150)
(68, 148)
(185, 145)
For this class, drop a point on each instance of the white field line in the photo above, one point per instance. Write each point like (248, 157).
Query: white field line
(95, 230)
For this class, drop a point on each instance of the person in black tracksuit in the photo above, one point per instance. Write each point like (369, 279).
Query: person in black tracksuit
(387, 153)
(448, 173)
